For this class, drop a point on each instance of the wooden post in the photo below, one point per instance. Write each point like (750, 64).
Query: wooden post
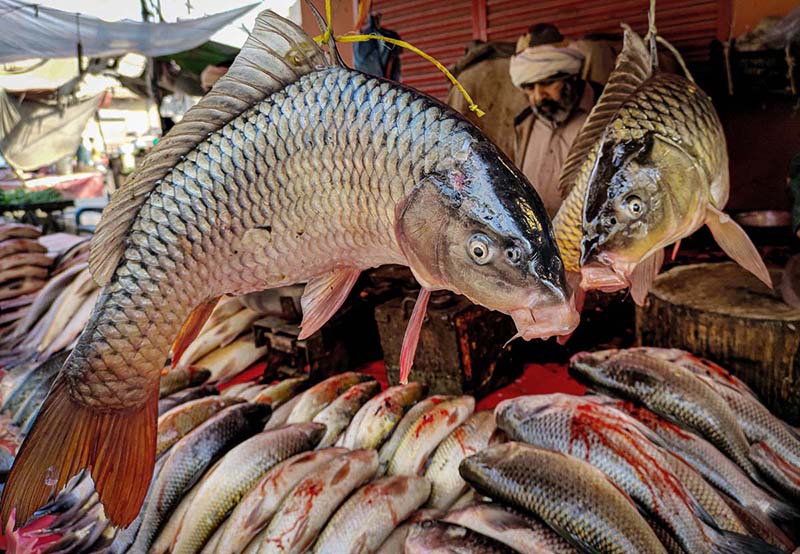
(721, 312)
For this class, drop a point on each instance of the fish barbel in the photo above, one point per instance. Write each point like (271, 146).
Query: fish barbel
(649, 167)
(292, 169)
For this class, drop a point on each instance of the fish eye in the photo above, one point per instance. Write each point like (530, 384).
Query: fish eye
(513, 254)
(479, 248)
(634, 205)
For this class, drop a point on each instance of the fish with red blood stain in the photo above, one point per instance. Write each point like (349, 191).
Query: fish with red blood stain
(425, 434)
(619, 445)
(388, 449)
(713, 465)
(467, 439)
(320, 396)
(437, 537)
(376, 419)
(258, 506)
(338, 415)
(370, 515)
(304, 512)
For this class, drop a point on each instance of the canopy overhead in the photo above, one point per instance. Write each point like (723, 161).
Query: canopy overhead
(30, 31)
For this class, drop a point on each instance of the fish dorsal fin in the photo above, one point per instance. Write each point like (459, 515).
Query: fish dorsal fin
(633, 67)
(276, 54)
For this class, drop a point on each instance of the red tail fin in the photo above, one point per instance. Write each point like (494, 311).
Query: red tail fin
(118, 447)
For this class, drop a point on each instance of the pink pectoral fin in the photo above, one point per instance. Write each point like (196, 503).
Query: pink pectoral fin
(644, 274)
(411, 337)
(324, 295)
(736, 244)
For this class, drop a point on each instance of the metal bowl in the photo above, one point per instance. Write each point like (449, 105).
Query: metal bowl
(765, 218)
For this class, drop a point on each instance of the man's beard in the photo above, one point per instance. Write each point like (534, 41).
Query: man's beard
(558, 111)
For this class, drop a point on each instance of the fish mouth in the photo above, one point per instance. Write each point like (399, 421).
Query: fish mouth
(607, 272)
(547, 321)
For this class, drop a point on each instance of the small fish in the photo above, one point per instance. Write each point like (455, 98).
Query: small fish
(524, 534)
(237, 471)
(186, 395)
(668, 390)
(712, 464)
(250, 392)
(258, 506)
(278, 394)
(467, 439)
(290, 152)
(26, 258)
(304, 512)
(425, 434)
(179, 379)
(779, 473)
(370, 515)
(377, 418)
(11, 246)
(28, 380)
(280, 415)
(74, 327)
(436, 537)
(189, 458)
(319, 397)
(216, 337)
(619, 446)
(23, 271)
(235, 390)
(576, 499)
(163, 542)
(340, 412)
(19, 231)
(389, 447)
(180, 421)
(230, 360)
(395, 543)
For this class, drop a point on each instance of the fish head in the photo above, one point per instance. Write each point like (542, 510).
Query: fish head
(614, 372)
(516, 412)
(643, 195)
(478, 228)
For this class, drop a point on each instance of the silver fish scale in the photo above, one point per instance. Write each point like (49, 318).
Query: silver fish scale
(318, 167)
(679, 110)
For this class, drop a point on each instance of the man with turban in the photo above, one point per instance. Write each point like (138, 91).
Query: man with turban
(548, 69)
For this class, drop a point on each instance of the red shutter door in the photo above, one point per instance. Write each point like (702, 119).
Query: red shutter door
(443, 28)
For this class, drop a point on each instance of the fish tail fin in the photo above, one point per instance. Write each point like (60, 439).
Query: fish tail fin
(118, 447)
(759, 522)
(736, 244)
(728, 542)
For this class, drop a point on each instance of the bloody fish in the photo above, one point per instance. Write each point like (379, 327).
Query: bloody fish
(293, 168)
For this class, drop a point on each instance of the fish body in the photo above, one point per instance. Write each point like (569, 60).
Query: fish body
(377, 418)
(395, 543)
(186, 395)
(573, 497)
(428, 430)
(436, 537)
(228, 361)
(389, 447)
(303, 513)
(278, 394)
(321, 395)
(369, 516)
(668, 390)
(292, 169)
(189, 459)
(177, 423)
(179, 379)
(237, 471)
(525, 534)
(612, 442)
(712, 464)
(338, 415)
(469, 438)
(258, 506)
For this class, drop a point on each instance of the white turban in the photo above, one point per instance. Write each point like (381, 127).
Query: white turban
(537, 63)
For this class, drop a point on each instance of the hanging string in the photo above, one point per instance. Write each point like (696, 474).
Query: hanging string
(325, 37)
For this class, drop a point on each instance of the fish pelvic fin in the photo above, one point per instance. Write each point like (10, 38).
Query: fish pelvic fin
(736, 244)
(117, 447)
(191, 328)
(411, 337)
(644, 274)
(727, 542)
(323, 296)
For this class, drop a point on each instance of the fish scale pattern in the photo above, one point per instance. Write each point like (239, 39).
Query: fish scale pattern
(307, 180)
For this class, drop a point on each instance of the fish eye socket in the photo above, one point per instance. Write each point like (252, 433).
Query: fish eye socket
(514, 254)
(609, 221)
(634, 205)
(479, 248)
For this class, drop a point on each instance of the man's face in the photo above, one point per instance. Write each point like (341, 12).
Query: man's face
(552, 99)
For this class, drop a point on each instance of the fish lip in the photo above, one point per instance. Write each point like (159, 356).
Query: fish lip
(551, 320)
(603, 277)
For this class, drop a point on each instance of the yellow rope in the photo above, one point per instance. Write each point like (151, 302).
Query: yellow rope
(325, 37)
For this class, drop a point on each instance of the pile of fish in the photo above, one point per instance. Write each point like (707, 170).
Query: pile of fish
(340, 466)
(681, 459)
